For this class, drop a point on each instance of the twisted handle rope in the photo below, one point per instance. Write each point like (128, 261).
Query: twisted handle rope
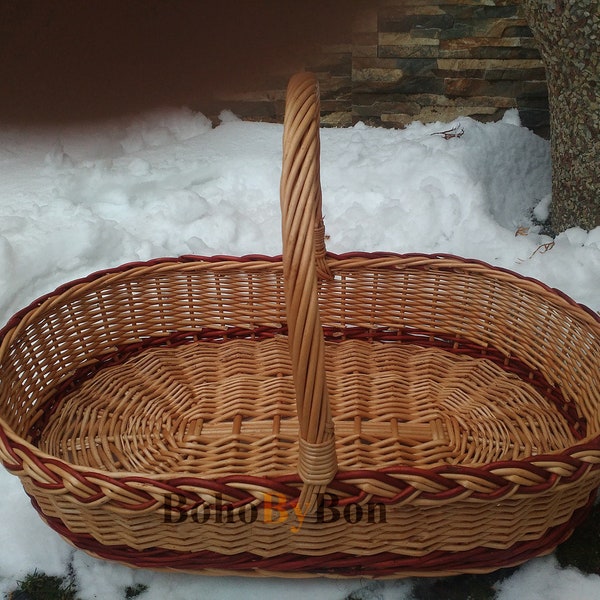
(303, 262)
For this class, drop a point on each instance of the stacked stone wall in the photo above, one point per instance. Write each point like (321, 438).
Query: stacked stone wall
(426, 60)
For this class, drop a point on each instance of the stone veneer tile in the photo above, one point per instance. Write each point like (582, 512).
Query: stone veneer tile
(410, 60)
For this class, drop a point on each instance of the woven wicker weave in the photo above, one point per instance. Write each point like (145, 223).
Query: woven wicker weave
(357, 415)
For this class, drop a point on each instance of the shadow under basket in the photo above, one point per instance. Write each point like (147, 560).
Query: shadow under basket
(357, 415)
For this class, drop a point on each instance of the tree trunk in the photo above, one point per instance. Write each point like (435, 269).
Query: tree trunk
(568, 36)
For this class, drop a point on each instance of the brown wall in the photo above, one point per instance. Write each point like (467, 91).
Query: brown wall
(385, 62)
(72, 59)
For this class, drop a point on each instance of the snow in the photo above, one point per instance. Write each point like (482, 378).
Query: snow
(77, 199)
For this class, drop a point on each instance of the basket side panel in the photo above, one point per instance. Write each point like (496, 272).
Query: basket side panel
(458, 302)
(446, 533)
(75, 329)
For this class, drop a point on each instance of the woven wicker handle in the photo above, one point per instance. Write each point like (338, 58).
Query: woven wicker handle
(303, 262)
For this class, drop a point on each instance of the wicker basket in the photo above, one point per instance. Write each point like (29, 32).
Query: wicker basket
(362, 415)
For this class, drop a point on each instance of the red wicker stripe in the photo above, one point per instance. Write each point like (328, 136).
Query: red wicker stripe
(492, 482)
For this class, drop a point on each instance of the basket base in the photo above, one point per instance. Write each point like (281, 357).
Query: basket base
(385, 565)
(179, 408)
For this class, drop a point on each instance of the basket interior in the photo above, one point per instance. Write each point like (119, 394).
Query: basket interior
(181, 367)
(228, 407)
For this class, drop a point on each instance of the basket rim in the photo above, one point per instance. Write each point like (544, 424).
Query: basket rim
(435, 258)
(537, 466)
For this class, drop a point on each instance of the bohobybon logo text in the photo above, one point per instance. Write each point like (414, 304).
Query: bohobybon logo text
(274, 509)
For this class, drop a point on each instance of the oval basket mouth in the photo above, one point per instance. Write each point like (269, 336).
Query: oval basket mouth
(585, 439)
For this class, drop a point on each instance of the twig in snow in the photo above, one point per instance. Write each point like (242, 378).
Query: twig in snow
(543, 249)
(456, 132)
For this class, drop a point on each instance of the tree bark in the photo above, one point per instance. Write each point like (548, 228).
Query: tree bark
(568, 36)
